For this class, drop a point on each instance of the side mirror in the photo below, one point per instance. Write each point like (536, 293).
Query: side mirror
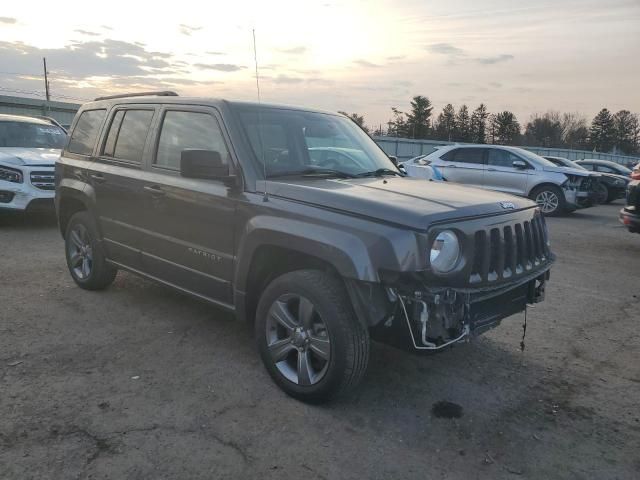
(519, 164)
(393, 159)
(203, 164)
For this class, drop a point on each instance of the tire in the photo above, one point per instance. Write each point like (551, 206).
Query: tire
(603, 194)
(85, 256)
(305, 319)
(544, 196)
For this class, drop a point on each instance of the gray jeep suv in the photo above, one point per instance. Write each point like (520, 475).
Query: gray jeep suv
(227, 202)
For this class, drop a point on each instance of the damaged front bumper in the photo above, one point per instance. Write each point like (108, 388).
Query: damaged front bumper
(427, 319)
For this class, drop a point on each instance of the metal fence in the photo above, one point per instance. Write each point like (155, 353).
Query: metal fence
(63, 112)
(406, 148)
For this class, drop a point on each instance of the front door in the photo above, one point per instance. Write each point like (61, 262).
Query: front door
(501, 175)
(188, 239)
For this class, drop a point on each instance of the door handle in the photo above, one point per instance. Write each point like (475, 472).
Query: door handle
(97, 177)
(491, 170)
(155, 190)
(451, 166)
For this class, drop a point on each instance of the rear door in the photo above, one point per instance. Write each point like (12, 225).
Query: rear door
(463, 165)
(116, 179)
(188, 238)
(501, 175)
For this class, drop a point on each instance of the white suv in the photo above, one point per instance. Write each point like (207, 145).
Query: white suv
(516, 171)
(29, 148)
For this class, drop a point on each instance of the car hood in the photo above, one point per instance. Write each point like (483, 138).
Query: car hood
(570, 171)
(616, 176)
(406, 201)
(29, 156)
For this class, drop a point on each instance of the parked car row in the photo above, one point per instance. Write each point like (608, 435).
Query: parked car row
(556, 189)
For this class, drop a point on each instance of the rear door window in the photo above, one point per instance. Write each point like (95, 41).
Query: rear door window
(128, 135)
(84, 135)
(469, 155)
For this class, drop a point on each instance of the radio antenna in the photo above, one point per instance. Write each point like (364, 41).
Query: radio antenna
(264, 165)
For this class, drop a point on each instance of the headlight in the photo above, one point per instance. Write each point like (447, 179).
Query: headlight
(445, 252)
(10, 175)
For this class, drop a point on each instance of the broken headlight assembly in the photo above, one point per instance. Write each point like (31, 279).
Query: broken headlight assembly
(445, 252)
(10, 175)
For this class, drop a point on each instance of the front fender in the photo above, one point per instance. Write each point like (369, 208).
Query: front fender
(343, 250)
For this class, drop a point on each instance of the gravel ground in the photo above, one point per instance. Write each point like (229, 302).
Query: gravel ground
(141, 382)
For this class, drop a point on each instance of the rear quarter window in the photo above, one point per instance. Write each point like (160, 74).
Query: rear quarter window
(84, 135)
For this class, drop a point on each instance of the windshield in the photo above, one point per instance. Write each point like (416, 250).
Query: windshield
(31, 135)
(298, 142)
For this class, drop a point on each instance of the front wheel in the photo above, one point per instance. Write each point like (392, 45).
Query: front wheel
(309, 338)
(550, 200)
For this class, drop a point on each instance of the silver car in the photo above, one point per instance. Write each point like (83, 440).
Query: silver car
(519, 172)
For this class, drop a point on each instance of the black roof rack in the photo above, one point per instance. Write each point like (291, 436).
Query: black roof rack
(166, 93)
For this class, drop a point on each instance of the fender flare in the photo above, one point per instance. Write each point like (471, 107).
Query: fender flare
(342, 250)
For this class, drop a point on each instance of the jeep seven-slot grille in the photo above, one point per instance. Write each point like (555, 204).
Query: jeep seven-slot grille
(44, 180)
(502, 253)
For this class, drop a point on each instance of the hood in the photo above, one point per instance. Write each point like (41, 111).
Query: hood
(569, 171)
(29, 156)
(411, 202)
(616, 176)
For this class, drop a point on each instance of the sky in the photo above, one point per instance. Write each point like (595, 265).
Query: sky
(351, 55)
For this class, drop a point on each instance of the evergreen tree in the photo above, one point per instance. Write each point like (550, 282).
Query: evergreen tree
(463, 125)
(479, 124)
(506, 129)
(627, 130)
(602, 131)
(446, 123)
(418, 121)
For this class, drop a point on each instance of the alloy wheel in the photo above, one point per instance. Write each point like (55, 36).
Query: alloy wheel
(298, 340)
(80, 252)
(547, 201)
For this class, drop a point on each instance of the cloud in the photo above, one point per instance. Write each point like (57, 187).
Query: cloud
(87, 32)
(82, 60)
(188, 29)
(287, 79)
(495, 84)
(294, 51)
(365, 63)
(214, 53)
(8, 20)
(222, 67)
(445, 49)
(495, 59)
(396, 57)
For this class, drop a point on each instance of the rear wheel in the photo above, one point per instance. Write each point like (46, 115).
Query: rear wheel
(85, 257)
(550, 200)
(309, 338)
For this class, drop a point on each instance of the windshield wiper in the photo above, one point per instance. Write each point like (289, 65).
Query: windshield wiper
(380, 173)
(311, 172)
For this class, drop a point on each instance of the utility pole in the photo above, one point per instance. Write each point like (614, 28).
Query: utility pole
(46, 79)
